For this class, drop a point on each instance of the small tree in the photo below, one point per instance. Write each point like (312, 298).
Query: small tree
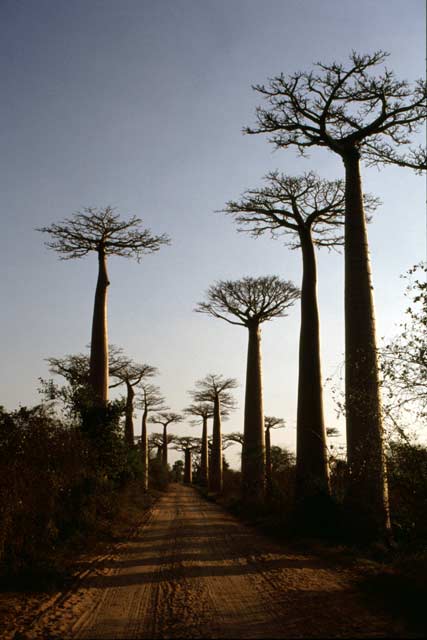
(149, 399)
(131, 374)
(355, 115)
(215, 389)
(187, 445)
(270, 422)
(103, 232)
(165, 418)
(74, 368)
(249, 302)
(203, 410)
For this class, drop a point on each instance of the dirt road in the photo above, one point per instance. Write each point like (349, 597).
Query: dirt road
(196, 572)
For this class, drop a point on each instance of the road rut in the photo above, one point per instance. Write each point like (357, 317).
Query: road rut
(194, 571)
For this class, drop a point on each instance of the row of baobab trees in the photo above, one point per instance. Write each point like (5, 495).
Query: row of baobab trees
(358, 111)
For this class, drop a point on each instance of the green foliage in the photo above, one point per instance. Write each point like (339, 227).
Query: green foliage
(57, 480)
(407, 473)
(404, 359)
(158, 474)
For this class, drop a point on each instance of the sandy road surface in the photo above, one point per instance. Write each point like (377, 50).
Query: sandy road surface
(196, 572)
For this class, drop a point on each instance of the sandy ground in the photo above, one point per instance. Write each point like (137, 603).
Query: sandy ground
(194, 571)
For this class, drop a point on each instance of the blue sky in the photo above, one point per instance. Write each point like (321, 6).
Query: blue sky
(140, 105)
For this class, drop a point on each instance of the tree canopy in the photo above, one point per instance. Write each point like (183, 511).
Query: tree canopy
(101, 229)
(250, 300)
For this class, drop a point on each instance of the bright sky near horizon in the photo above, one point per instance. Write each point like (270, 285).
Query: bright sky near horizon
(140, 104)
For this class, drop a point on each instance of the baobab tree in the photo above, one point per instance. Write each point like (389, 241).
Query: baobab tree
(187, 444)
(131, 374)
(204, 411)
(149, 399)
(270, 422)
(165, 418)
(215, 389)
(357, 115)
(248, 303)
(307, 212)
(101, 231)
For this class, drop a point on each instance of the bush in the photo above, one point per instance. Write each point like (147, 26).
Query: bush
(57, 482)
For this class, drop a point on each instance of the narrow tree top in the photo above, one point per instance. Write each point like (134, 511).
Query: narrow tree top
(271, 422)
(132, 373)
(250, 300)
(151, 397)
(166, 417)
(236, 437)
(213, 387)
(102, 230)
(345, 108)
(184, 443)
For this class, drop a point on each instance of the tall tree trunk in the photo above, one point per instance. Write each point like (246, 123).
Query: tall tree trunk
(129, 433)
(367, 480)
(98, 368)
(188, 472)
(312, 464)
(165, 446)
(268, 470)
(204, 464)
(253, 452)
(215, 469)
(144, 449)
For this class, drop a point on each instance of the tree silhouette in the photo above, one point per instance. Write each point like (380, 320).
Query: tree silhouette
(270, 422)
(165, 418)
(101, 231)
(187, 444)
(235, 437)
(308, 212)
(149, 399)
(203, 410)
(249, 302)
(355, 114)
(131, 374)
(75, 369)
(215, 389)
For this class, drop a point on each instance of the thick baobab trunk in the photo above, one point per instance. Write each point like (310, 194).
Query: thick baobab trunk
(312, 465)
(253, 453)
(144, 450)
(367, 493)
(215, 468)
(98, 368)
(188, 472)
(129, 433)
(268, 469)
(204, 464)
(165, 446)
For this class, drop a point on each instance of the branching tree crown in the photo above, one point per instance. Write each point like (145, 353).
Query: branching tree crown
(132, 373)
(290, 205)
(215, 386)
(166, 418)
(250, 300)
(183, 443)
(203, 410)
(101, 230)
(271, 422)
(346, 108)
(150, 397)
